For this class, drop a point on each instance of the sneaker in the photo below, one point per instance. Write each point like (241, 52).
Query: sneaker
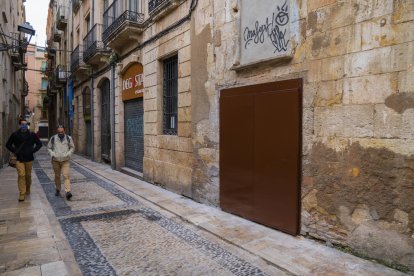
(57, 193)
(21, 197)
(68, 195)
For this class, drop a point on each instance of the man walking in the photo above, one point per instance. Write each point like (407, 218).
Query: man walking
(60, 148)
(23, 144)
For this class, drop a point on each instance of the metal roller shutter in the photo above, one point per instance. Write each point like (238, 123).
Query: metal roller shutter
(134, 134)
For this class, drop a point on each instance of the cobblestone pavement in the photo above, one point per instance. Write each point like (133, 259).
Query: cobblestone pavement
(119, 225)
(112, 232)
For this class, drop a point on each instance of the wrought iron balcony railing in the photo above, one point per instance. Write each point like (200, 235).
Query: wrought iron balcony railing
(61, 74)
(15, 49)
(75, 59)
(154, 5)
(62, 17)
(25, 91)
(92, 43)
(159, 8)
(57, 35)
(75, 5)
(115, 16)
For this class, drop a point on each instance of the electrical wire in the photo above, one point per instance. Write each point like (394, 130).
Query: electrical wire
(156, 37)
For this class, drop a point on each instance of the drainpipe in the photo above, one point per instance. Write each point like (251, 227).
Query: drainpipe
(92, 13)
(113, 159)
(92, 95)
(92, 121)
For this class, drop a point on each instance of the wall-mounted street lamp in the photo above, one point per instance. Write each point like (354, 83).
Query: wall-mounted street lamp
(28, 32)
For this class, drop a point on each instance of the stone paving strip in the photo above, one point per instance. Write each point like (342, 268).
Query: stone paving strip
(294, 255)
(113, 232)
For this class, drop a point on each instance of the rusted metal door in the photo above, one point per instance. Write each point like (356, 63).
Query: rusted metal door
(260, 149)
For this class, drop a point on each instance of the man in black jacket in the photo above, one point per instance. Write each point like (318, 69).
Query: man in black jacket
(23, 144)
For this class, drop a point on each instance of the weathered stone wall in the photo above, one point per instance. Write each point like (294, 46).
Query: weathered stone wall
(168, 159)
(356, 59)
(79, 126)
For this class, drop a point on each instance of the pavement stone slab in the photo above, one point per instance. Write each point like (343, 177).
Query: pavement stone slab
(119, 225)
(114, 233)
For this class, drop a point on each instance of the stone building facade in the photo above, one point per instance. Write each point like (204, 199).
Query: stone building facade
(12, 89)
(336, 75)
(58, 97)
(37, 81)
(356, 60)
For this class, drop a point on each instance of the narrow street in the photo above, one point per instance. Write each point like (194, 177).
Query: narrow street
(118, 225)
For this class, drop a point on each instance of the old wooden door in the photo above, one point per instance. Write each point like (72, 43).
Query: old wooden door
(260, 149)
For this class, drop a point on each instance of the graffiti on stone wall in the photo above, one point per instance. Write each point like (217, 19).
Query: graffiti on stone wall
(271, 28)
(265, 32)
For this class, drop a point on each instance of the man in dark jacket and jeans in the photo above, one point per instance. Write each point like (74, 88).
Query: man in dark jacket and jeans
(23, 144)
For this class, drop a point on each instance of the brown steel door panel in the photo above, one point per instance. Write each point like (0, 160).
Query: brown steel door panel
(237, 135)
(260, 150)
(276, 166)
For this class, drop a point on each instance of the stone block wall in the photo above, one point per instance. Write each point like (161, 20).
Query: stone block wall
(356, 59)
(168, 159)
(79, 126)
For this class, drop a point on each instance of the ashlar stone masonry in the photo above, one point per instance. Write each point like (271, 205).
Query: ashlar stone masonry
(356, 59)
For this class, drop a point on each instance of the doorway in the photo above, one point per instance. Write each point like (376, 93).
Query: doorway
(260, 153)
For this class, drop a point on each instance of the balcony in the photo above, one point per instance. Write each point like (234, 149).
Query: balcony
(49, 71)
(25, 91)
(75, 5)
(160, 8)
(77, 65)
(15, 50)
(56, 34)
(121, 25)
(62, 17)
(51, 90)
(61, 74)
(94, 49)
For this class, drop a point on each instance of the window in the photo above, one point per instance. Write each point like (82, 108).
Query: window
(44, 84)
(106, 4)
(170, 95)
(88, 22)
(133, 5)
(87, 104)
(43, 67)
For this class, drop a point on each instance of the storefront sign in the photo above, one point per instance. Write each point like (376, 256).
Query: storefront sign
(264, 30)
(133, 82)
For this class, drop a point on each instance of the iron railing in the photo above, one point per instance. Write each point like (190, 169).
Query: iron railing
(61, 73)
(75, 5)
(92, 43)
(15, 49)
(25, 88)
(57, 35)
(155, 5)
(170, 95)
(115, 16)
(62, 17)
(75, 59)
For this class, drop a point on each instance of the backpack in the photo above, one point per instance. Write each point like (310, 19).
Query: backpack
(53, 140)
